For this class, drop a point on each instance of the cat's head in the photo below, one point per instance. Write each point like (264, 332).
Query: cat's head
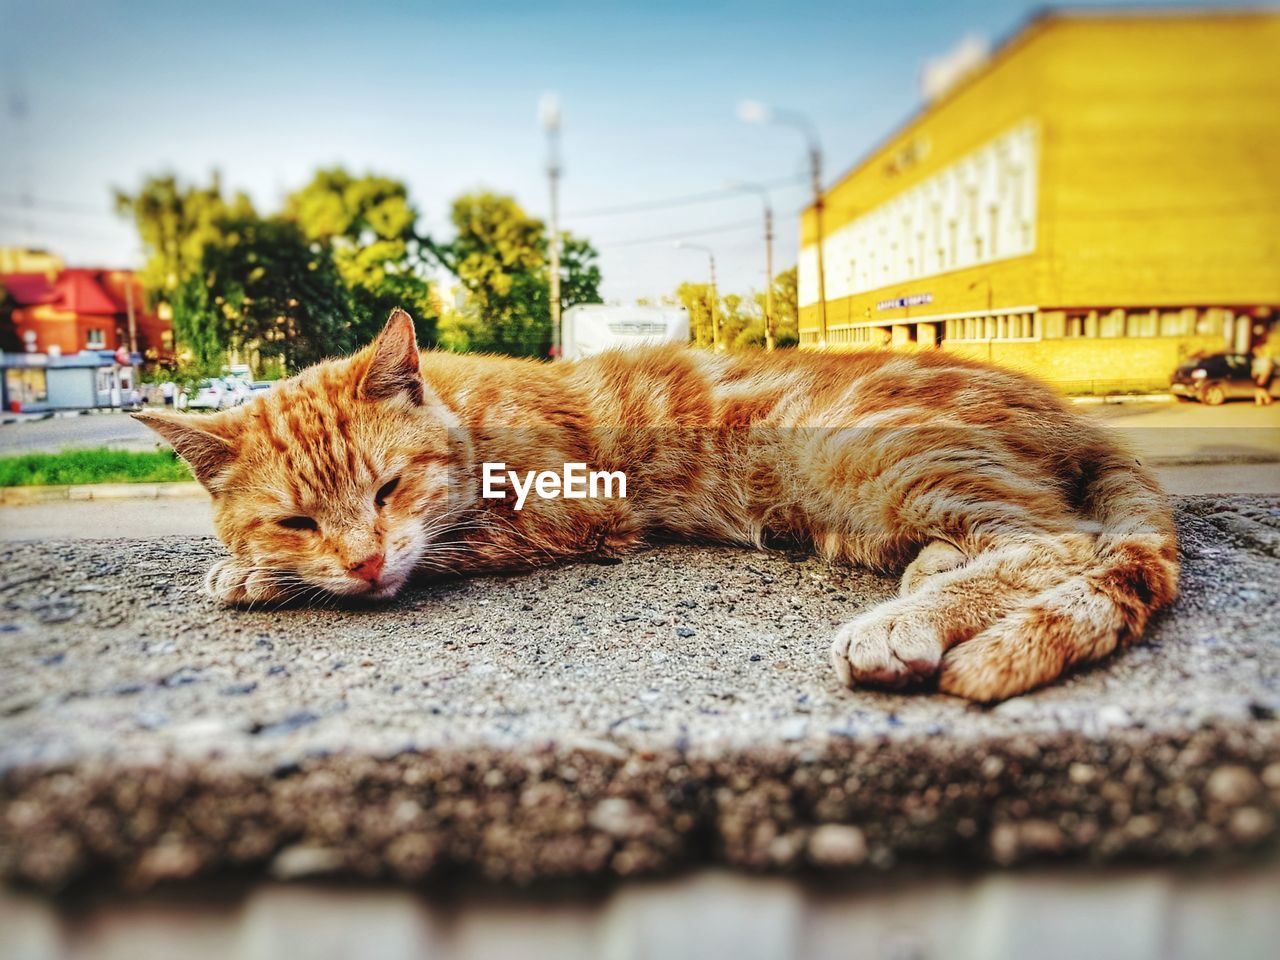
(337, 479)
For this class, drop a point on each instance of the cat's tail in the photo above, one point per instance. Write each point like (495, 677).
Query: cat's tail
(1104, 602)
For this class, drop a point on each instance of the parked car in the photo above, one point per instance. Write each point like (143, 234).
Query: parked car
(1215, 379)
(216, 393)
(240, 391)
(262, 386)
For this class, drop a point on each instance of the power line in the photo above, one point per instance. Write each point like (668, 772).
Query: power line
(683, 201)
(54, 206)
(684, 235)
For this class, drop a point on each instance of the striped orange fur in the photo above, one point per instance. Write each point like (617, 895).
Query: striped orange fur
(1031, 542)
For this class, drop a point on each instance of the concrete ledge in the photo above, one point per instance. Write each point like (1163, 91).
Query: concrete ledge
(18, 496)
(674, 710)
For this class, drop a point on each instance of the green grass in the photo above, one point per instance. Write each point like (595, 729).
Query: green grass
(91, 466)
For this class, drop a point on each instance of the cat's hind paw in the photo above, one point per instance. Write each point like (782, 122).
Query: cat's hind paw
(936, 557)
(892, 645)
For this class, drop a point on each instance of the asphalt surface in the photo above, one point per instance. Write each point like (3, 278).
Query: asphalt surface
(115, 430)
(1162, 431)
(672, 710)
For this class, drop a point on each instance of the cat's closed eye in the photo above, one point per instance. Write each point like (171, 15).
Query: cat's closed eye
(385, 491)
(299, 523)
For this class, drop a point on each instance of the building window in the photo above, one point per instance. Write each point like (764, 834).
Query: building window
(1112, 324)
(95, 339)
(1145, 324)
(26, 385)
(1180, 324)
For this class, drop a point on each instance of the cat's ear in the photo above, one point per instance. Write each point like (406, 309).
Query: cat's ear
(394, 369)
(204, 451)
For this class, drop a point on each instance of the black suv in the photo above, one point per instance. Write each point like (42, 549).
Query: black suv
(1215, 379)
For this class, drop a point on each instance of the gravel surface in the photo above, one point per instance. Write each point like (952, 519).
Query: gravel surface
(670, 710)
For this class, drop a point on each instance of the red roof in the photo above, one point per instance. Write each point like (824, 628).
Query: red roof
(80, 292)
(77, 290)
(28, 289)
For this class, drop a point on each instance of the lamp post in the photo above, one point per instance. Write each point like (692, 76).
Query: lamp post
(753, 111)
(711, 259)
(549, 114)
(763, 193)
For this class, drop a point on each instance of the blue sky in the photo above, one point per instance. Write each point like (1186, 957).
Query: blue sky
(444, 96)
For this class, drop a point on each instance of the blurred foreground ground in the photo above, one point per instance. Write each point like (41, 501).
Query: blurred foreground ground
(676, 708)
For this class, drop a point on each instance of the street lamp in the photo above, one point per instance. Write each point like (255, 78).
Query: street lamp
(711, 258)
(763, 193)
(753, 111)
(549, 115)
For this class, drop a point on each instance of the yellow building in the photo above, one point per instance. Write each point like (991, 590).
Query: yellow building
(26, 260)
(1096, 202)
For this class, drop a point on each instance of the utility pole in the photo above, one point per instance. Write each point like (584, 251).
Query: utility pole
(752, 111)
(715, 321)
(769, 320)
(815, 172)
(549, 109)
(128, 305)
(711, 259)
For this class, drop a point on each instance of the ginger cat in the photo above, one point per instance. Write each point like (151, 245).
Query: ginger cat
(1030, 541)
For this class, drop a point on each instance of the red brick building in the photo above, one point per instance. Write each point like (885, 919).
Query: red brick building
(85, 309)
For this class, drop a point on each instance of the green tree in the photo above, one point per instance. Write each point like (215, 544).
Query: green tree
(175, 222)
(785, 316)
(696, 299)
(786, 309)
(265, 294)
(369, 225)
(499, 255)
(741, 319)
(579, 273)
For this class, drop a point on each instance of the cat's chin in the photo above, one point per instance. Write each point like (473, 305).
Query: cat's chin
(385, 591)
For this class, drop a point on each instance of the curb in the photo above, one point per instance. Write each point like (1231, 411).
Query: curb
(1124, 398)
(20, 496)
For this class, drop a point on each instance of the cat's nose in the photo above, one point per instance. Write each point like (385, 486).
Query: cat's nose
(368, 568)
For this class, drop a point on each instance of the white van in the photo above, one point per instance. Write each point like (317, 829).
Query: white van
(591, 328)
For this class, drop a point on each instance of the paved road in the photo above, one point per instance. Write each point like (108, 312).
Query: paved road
(1159, 430)
(1192, 432)
(107, 519)
(119, 431)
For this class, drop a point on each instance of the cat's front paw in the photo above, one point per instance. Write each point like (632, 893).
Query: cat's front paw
(891, 645)
(229, 582)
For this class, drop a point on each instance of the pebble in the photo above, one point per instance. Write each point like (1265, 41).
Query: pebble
(305, 860)
(837, 845)
(1232, 785)
(685, 632)
(1113, 715)
(794, 729)
(1249, 824)
(619, 817)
